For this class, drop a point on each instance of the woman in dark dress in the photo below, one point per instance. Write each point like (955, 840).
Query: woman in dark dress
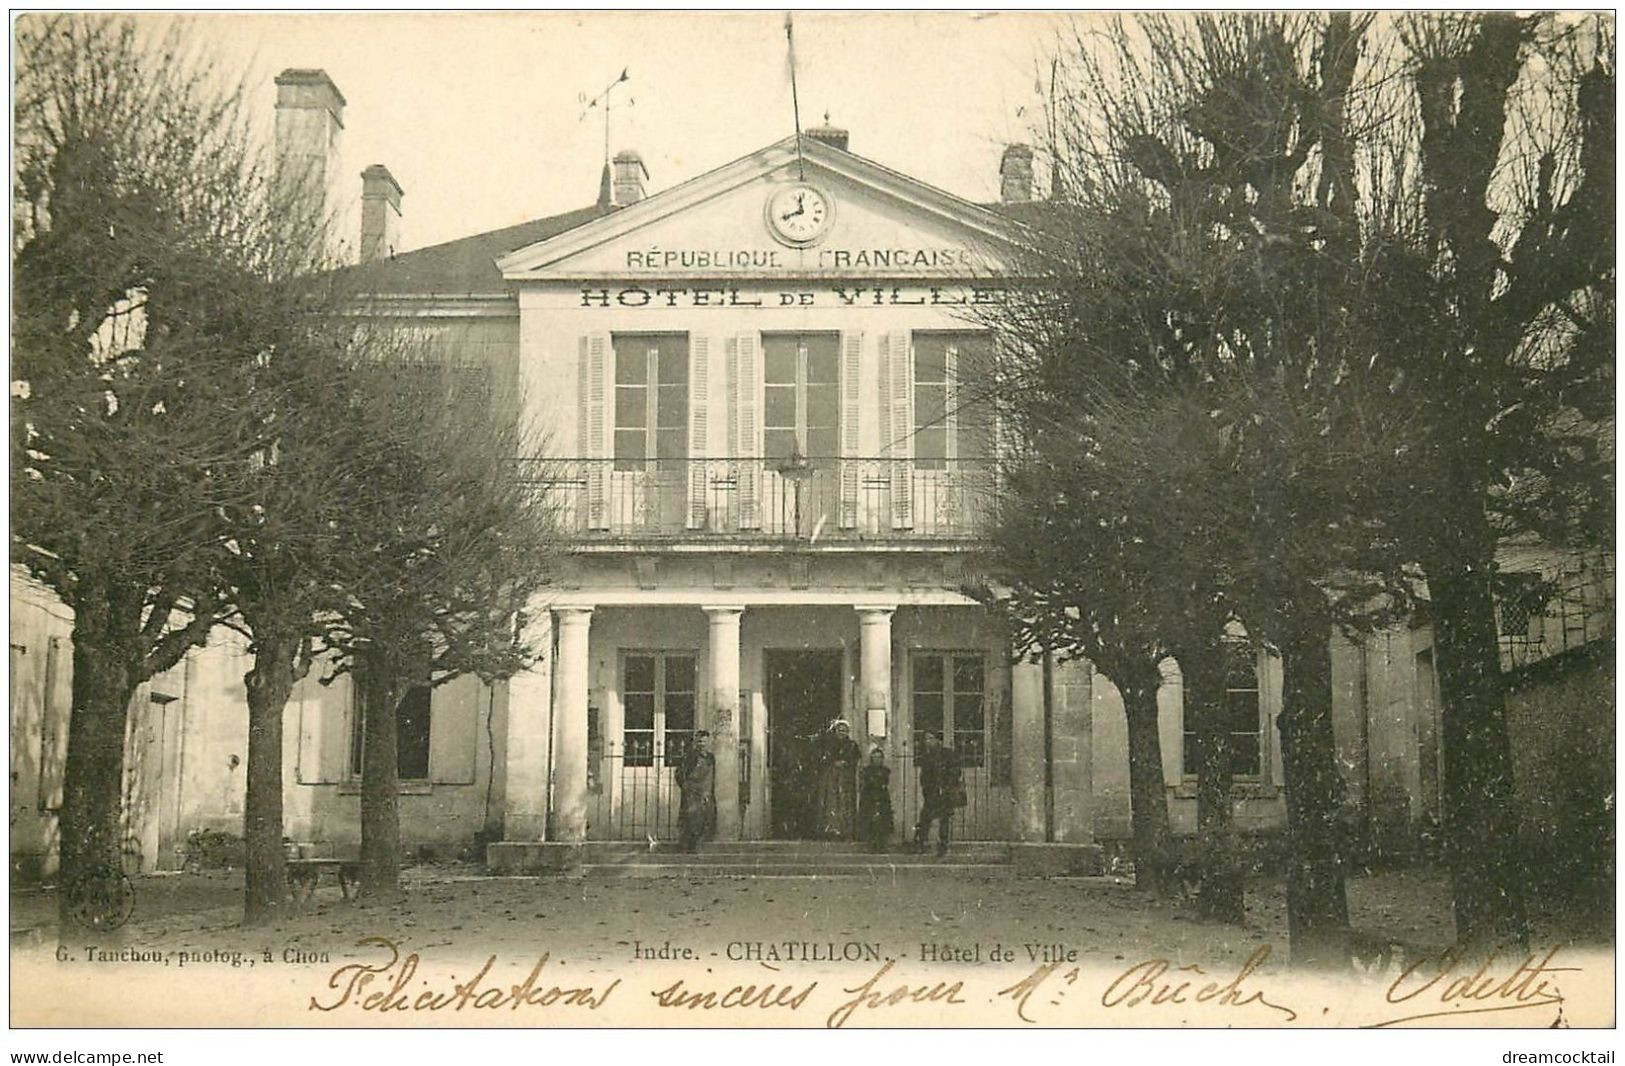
(874, 802)
(838, 783)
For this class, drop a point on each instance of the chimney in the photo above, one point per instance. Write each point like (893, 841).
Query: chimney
(1016, 175)
(309, 119)
(630, 174)
(833, 136)
(380, 213)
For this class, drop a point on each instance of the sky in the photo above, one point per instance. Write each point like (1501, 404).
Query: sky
(478, 116)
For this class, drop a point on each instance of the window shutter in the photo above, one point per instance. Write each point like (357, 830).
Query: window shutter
(699, 429)
(851, 361)
(454, 717)
(593, 369)
(746, 384)
(54, 701)
(324, 731)
(902, 431)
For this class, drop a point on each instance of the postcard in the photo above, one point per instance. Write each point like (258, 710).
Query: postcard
(836, 520)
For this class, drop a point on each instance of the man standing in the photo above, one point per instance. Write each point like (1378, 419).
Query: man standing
(939, 791)
(697, 777)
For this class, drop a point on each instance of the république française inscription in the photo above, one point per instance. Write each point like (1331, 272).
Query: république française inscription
(773, 259)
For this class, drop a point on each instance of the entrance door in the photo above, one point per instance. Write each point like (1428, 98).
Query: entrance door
(803, 696)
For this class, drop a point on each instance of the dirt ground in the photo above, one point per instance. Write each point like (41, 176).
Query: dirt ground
(954, 948)
(598, 918)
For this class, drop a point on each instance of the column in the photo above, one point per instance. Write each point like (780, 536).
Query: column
(1027, 749)
(1072, 728)
(874, 651)
(724, 670)
(570, 688)
(530, 744)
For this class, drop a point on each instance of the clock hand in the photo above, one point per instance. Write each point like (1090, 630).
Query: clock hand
(801, 209)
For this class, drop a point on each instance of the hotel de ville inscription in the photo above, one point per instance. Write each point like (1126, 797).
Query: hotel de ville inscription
(634, 295)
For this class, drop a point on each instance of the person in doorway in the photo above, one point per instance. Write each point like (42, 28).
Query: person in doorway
(874, 801)
(697, 777)
(939, 791)
(838, 783)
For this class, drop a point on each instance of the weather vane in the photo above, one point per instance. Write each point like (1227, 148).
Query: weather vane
(604, 98)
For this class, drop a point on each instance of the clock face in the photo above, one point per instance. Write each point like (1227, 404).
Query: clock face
(799, 214)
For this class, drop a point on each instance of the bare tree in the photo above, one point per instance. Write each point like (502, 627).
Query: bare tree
(1207, 251)
(1360, 241)
(286, 552)
(445, 552)
(1503, 258)
(139, 265)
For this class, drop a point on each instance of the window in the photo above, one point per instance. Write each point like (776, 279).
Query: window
(1241, 714)
(657, 690)
(801, 395)
(948, 700)
(651, 398)
(951, 421)
(1521, 598)
(411, 736)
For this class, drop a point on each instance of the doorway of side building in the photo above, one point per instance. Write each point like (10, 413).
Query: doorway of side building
(803, 695)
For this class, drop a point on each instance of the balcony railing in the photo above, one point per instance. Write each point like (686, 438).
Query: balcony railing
(767, 499)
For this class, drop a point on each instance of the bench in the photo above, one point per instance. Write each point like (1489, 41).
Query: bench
(304, 874)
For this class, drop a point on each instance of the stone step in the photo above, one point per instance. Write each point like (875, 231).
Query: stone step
(787, 847)
(970, 856)
(679, 858)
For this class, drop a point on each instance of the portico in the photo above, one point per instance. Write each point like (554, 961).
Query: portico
(634, 672)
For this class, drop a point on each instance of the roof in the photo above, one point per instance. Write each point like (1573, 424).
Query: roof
(464, 266)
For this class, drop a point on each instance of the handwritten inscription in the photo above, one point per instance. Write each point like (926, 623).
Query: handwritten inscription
(1150, 991)
(1447, 985)
(1157, 982)
(389, 985)
(770, 996)
(874, 995)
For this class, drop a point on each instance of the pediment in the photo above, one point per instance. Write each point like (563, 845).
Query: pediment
(884, 225)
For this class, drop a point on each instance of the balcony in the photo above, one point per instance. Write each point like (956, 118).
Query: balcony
(804, 501)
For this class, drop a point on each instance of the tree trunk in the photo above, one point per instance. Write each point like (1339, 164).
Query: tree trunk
(1221, 893)
(1480, 813)
(269, 684)
(92, 892)
(379, 691)
(1317, 902)
(1148, 794)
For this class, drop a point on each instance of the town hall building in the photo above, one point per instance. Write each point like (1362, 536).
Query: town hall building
(765, 440)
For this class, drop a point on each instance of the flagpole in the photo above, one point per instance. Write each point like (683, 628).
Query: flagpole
(795, 100)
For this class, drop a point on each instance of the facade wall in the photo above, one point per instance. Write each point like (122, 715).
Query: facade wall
(460, 799)
(41, 657)
(1257, 798)
(554, 324)
(188, 734)
(185, 742)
